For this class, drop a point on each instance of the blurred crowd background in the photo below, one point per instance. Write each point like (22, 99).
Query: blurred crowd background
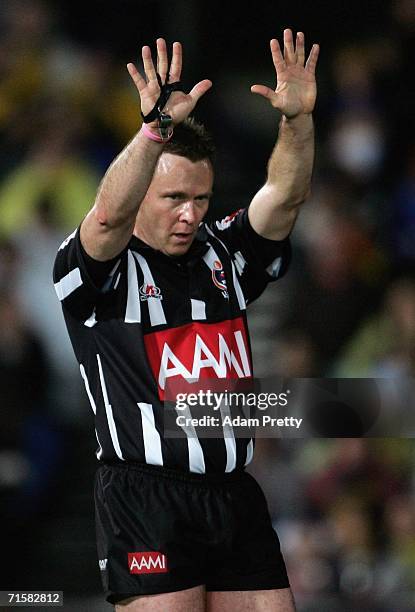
(344, 508)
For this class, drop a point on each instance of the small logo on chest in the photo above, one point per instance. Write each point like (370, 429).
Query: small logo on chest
(219, 278)
(149, 291)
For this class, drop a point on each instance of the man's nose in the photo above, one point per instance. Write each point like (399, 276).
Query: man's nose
(187, 213)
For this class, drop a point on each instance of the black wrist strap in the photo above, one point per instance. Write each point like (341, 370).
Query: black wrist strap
(156, 113)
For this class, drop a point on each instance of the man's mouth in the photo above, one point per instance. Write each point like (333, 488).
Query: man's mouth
(182, 236)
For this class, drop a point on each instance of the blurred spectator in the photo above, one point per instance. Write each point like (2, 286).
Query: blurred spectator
(337, 280)
(402, 214)
(53, 169)
(37, 245)
(398, 560)
(31, 446)
(355, 466)
(357, 145)
(295, 354)
(23, 372)
(384, 345)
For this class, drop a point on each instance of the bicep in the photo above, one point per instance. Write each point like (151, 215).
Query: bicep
(102, 241)
(270, 217)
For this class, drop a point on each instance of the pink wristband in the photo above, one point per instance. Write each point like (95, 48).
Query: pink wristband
(147, 132)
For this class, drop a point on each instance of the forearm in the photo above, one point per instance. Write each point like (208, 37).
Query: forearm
(291, 163)
(108, 226)
(275, 207)
(126, 182)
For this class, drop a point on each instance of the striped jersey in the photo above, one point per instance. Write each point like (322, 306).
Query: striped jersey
(145, 318)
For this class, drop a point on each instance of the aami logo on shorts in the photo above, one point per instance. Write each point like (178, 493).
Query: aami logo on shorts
(147, 563)
(199, 350)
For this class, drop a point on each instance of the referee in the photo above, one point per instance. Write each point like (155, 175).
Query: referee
(152, 294)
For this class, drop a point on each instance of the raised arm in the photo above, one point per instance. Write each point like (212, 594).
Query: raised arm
(275, 207)
(108, 227)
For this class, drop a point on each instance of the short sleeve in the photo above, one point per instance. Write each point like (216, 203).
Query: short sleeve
(80, 281)
(257, 260)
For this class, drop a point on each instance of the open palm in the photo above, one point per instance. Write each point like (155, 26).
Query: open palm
(180, 104)
(296, 84)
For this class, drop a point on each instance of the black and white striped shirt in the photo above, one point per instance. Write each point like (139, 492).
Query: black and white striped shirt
(146, 317)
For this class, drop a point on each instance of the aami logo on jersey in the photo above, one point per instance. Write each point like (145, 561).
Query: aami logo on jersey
(199, 350)
(147, 563)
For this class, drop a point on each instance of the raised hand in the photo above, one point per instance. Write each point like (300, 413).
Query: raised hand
(180, 104)
(296, 84)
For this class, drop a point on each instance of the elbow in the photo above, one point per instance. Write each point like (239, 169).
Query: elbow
(108, 219)
(99, 212)
(101, 217)
(106, 222)
(289, 198)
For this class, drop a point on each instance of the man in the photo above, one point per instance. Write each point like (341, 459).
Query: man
(150, 294)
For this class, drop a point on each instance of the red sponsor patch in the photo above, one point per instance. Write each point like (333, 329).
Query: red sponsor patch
(147, 563)
(199, 350)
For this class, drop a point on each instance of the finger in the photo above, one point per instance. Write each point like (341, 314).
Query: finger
(148, 64)
(312, 59)
(162, 60)
(263, 91)
(289, 53)
(176, 63)
(139, 82)
(277, 57)
(300, 48)
(199, 89)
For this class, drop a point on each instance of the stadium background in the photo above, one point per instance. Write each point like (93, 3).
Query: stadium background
(344, 508)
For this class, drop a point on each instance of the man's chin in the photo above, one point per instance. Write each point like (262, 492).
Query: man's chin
(177, 246)
(177, 250)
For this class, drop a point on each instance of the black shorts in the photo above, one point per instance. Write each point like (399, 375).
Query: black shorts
(161, 530)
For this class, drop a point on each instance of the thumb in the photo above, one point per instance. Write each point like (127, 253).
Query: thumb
(263, 91)
(199, 89)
